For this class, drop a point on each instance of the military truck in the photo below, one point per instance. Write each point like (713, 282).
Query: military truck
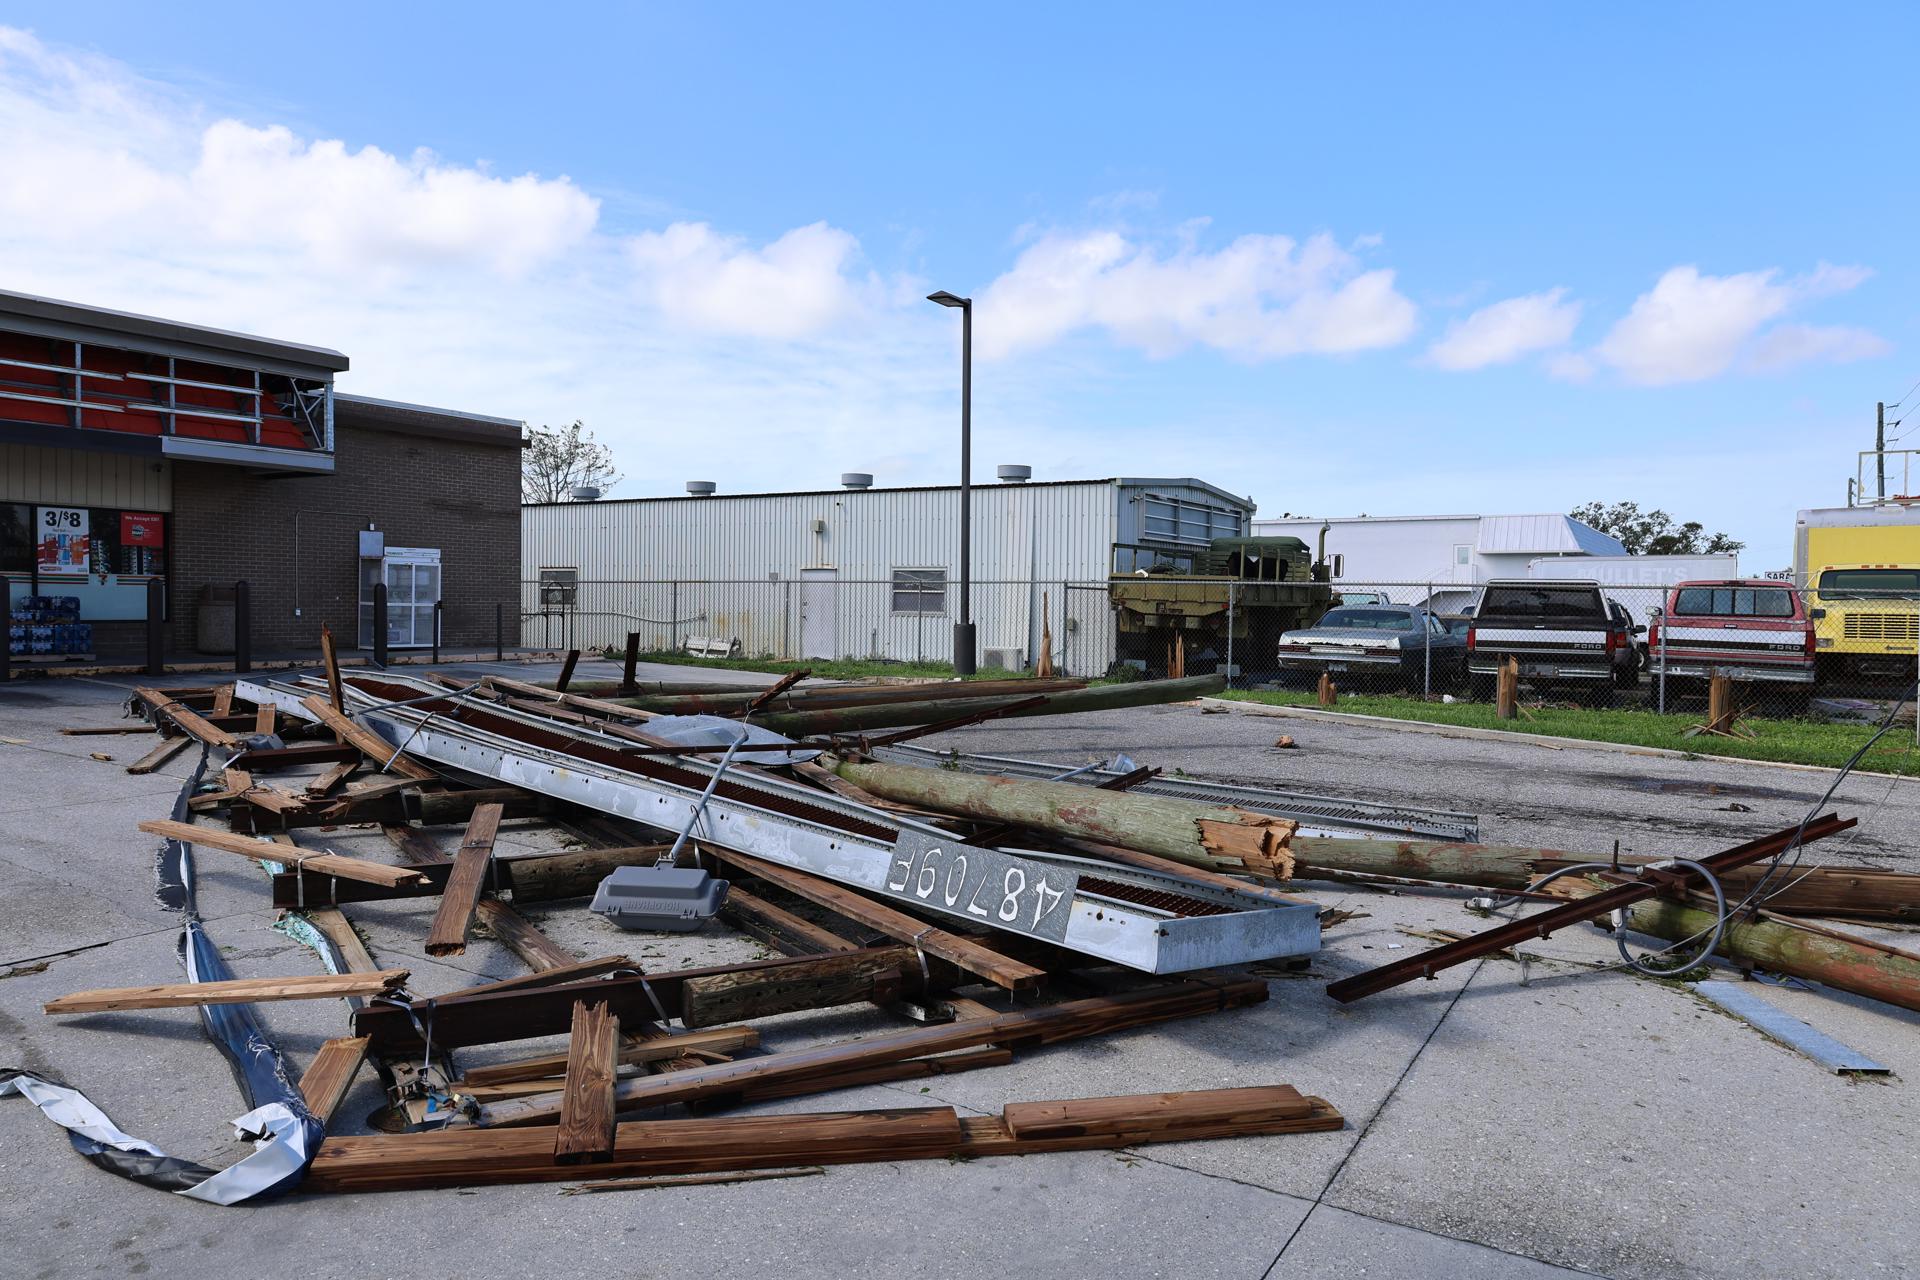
(1174, 610)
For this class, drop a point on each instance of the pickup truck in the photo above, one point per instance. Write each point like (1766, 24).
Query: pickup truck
(1562, 633)
(1748, 629)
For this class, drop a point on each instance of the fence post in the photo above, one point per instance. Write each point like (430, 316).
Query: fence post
(786, 620)
(1661, 677)
(499, 631)
(156, 627)
(673, 617)
(1426, 659)
(1233, 594)
(438, 605)
(628, 685)
(380, 625)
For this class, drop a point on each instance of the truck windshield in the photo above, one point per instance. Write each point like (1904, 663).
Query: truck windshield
(1743, 602)
(1543, 602)
(1865, 584)
(1369, 619)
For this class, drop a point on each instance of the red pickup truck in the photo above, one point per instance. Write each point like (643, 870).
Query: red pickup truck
(1749, 629)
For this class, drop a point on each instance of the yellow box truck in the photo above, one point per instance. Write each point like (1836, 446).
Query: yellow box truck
(1861, 570)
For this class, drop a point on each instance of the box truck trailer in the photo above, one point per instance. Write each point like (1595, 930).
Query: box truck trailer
(1860, 567)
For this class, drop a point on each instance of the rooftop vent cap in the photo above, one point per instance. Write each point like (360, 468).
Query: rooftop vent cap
(586, 493)
(701, 488)
(856, 480)
(1014, 473)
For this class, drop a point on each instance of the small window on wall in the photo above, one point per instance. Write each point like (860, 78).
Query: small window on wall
(16, 538)
(1463, 554)
(559, 588)
(919, 590)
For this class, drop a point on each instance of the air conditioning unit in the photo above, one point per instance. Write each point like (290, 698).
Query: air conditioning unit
(1004, 659)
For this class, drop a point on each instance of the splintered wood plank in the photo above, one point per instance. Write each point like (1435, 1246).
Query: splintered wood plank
(778, 927)
(586, 1106)
(332, 864)
(332, 778)
(1244, 1107)
(175, 995)
(110, 729)
(330, 661)
(190, 722)
(165, 751)
(264, 718)
(448, 937)
(340, 932)
(223, 701)
(371, 744)
(509, 928)
(330, 1075)
(912, 1069)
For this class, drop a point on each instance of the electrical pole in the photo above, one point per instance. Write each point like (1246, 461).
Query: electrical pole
(1880, 449)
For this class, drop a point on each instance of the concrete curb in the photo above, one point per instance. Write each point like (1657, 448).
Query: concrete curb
(1548, 741)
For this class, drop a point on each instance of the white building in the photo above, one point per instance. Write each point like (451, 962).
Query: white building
(859, 571)
(1442, 550)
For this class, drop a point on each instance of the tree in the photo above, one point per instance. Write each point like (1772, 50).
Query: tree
(557, 459)
(1653, 533)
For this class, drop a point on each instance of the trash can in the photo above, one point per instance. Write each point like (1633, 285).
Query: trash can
(213, 620)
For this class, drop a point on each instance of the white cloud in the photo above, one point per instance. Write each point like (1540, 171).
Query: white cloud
(1787, 345)
(1260, 297)
(1504, 331)
(796, 285)
(1691, 326)
(89, 152)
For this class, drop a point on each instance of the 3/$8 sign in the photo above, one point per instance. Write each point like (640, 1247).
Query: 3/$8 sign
(62, 537)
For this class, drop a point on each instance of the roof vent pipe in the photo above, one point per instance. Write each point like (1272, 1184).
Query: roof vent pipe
(586, 493)
(1014, 473)
(856, 480)
(701, 488)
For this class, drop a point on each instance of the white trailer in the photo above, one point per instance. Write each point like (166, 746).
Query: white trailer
(1618, 576)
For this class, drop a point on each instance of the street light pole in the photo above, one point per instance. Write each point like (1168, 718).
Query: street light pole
(965, 649)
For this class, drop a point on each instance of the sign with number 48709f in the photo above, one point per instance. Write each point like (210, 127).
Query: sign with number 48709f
(986, 885)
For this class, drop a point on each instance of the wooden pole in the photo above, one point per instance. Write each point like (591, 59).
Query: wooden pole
(1143, 693)
(1214, 836)
(1719, 703)
(566, 670)
(1329, 692)
(1043, 667)
(1507, 690)
(628, 685)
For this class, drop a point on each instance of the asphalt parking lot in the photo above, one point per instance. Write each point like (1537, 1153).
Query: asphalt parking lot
(1579, 1122)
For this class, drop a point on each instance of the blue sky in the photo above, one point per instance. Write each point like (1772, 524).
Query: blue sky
(1413, 258)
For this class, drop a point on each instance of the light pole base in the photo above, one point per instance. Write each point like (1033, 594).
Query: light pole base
(964, 652)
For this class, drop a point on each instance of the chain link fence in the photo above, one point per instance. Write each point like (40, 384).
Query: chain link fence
(1840, 648)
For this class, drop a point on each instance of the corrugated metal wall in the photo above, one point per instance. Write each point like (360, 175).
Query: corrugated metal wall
(738, 561)
(84, 478)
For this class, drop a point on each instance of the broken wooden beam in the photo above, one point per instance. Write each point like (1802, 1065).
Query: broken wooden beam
(822, 982)
(832, 697)
(191, 723)
(586, 1124)
(1074, 1019)
(712, 1039)
(1144, 693)
(656, 1148)
(162, 752)
(803, 982)
(331, 864)
(1213, 836)
(186, 995)
(328, 1077)
(448, 936)
(384, 755)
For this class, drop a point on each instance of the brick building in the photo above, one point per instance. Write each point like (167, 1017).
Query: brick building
(134, 448)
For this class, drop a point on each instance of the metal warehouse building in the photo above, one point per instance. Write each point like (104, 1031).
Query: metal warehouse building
(858, 571)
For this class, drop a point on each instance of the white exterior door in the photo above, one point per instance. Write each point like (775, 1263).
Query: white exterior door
(817, 623)
(412, 575)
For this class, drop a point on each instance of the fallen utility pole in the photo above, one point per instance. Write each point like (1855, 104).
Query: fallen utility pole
(839, 697)
(1861, 966)
(1427, 964)
(1219, 839)
(1145, 693)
